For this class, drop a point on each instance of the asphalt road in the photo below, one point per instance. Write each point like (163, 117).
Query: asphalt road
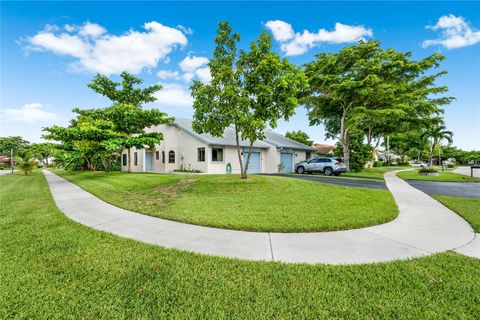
(459, 189)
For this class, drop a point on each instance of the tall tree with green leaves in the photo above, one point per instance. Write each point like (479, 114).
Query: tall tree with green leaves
(299, 136)
(436, 134)
(249, 90)
(127, 94)
(43, 151)
(365, 88)
(14, 144)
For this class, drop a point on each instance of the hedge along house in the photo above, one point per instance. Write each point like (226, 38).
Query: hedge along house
(182, 148)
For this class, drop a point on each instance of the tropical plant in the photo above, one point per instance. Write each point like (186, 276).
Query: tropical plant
(26, 163)
(436, 134)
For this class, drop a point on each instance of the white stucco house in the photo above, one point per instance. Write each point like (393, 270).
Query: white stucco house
(182, 148)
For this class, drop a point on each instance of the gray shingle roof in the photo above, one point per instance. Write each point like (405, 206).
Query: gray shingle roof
(281, 141)
(228, 139)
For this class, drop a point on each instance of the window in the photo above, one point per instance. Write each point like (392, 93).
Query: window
(171, 156)
(124, 159)
(201, 154)
(217, 154)
(135, 159)
(157, 155)
(163, 156)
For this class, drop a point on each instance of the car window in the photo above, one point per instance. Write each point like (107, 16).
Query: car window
(316, 160)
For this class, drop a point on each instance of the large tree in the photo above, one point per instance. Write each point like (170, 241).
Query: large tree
(249, 90)
(15, 144)
(365, 88)
(299, 136)
(127, 94)
(99, 133)
(43, 151)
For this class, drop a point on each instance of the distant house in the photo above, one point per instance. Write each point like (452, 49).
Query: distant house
(323, 149)
(182, 148)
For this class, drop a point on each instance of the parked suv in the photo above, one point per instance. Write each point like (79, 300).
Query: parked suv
(329, 166)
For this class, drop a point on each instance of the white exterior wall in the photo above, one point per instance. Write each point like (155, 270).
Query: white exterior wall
(185, 147)
(140, 156)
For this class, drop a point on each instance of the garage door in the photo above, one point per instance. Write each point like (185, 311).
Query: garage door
(254, 164)
(286, 162)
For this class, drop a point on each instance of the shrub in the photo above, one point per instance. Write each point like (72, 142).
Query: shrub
(450, 166)
(378, 163)
(427, 171)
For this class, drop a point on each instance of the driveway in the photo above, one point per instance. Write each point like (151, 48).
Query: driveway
(4, 172)
(371, 184)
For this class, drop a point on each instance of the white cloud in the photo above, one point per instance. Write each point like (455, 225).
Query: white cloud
(69, 27)
(91, 30)
(174, 95)
(292, 43)
(30, 114)
(195, 67)
(190, 64)
(185, 30)
(455, 33)
(98, 51)
(168, 74)
(281, 30)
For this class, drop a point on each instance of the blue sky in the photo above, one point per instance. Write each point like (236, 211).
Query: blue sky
(50, 51)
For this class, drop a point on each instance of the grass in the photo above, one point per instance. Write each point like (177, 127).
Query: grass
(468, 208)
(444, 177)
(54, 268)
(261, 203)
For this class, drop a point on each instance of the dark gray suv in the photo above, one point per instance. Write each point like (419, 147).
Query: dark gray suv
(329, 166)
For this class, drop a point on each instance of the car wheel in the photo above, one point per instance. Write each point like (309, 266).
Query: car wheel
(301, 170)
(328, 171)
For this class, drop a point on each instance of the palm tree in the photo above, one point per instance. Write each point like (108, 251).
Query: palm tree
(26, 164)
(436, 134)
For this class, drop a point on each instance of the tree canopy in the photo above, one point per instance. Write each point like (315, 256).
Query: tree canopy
(127, 94)
(363, 89)
(249, 90)
(299, 136)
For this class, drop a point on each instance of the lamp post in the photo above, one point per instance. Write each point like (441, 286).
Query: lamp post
(11, 159)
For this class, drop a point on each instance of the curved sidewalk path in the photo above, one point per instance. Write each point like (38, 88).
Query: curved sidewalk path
(423, 227)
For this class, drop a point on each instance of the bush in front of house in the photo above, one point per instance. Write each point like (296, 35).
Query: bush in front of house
(378, 163)
(428, 172)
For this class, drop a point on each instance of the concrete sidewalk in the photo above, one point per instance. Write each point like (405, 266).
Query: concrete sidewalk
(466, 171)
(423, 227)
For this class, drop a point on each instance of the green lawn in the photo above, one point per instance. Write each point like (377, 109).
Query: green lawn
(54, 268)
(468, 208)
(374, 173)
(444, 176)
(261, 203)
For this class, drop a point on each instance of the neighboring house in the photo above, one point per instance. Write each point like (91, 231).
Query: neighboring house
(182, 148)
(323, 148)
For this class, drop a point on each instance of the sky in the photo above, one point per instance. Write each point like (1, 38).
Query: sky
(50, 51)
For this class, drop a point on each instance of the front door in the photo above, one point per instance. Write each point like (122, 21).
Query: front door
(148, 161)
(254, 164)
(286, 162)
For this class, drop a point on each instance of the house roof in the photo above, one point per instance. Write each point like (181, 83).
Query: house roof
(228, 138)
(280, 141)
(323, 148)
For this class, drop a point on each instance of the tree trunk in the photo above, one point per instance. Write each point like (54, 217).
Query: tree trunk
(344, 143)
(243, 173)
(129, 160)
(432, 149)
(250, 149)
